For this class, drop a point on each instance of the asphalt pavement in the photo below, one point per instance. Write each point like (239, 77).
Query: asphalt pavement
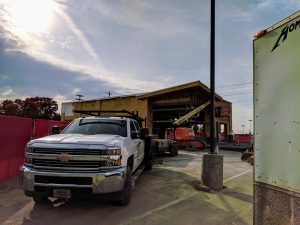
(166, 195)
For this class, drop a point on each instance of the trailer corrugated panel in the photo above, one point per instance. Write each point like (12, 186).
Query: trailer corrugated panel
(277, 123)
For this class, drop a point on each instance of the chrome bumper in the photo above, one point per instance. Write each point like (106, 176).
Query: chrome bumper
(102, 182)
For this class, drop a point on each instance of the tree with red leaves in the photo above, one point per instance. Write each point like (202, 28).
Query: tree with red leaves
(33, 107)
(9, 107)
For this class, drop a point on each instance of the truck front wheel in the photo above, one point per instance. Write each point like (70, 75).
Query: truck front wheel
(126, 195)
(39, 199)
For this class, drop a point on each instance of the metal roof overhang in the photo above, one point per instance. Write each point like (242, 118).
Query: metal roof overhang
(195, 84)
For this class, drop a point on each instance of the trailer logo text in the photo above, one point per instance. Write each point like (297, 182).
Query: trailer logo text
(284, 33)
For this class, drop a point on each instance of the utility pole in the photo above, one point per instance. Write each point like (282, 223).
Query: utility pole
(212, 163)
(212, 82)
(250, 125)
(109, 94)
(79, 97)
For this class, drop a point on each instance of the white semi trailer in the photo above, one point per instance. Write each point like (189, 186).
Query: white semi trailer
(276, 52)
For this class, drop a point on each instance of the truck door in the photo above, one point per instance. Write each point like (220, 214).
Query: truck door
(141, 147)
(137, 146)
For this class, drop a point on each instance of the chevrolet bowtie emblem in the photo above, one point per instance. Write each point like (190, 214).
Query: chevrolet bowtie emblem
(64, 157)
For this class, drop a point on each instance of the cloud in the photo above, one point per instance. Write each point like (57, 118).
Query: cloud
(76, 91)
(60, 99)
(237, 22)
(38, 46)
(271, 4)
(133, 46)
(233, 12)
(79, 34)
(9, 93)
(3, 77)
(161, 19)
(6, 91)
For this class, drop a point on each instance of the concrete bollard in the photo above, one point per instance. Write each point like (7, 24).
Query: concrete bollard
(212, 171)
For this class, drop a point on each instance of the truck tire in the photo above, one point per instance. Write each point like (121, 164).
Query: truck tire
(148, 166)
(176, 147)
(173, 150)
(39, 199)
(126, 194)
(150, 147)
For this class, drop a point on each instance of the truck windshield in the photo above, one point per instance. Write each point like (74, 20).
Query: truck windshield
(97, 126)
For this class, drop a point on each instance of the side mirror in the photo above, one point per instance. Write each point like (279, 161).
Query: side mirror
(144, 133)
(135, 134)
(55, 130)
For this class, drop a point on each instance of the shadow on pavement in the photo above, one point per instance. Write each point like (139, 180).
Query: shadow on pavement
(154, 201)
(11, 199)
(181, 161)
(238, 195)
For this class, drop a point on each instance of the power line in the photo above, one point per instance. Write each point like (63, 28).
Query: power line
(99, 95)
(235, 88)
(109, 93)
(241, 93)
(93, 93)
(232, 85)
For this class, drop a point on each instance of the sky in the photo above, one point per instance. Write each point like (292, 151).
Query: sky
(66, 47)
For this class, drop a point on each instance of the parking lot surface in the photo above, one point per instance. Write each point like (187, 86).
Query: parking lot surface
(166, 195)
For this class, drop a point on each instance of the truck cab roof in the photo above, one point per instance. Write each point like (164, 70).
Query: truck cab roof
(105, 117)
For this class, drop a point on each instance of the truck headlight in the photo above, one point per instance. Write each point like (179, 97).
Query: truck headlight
(112, 151)
(111, 160)
(28, 149)
(28, 156)
(28, 159)
(117, 162)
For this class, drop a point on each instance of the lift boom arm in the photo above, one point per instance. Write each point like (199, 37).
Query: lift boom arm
(190, 114)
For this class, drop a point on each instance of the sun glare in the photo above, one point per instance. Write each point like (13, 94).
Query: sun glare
(31, 16)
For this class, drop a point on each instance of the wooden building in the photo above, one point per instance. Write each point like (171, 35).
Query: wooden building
(161, 108)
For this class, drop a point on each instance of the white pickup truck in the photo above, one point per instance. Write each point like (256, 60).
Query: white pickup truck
(93, 155)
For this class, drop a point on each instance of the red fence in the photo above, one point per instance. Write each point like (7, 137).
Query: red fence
(15, 132)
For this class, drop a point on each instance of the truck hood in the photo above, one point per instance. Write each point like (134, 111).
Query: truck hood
(103, 139)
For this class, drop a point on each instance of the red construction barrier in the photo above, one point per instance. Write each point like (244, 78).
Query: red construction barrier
(43, 128)
(15, 132)
(60, 124)
(40, 128)
(242, 138)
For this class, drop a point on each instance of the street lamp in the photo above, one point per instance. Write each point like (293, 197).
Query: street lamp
(250, 121)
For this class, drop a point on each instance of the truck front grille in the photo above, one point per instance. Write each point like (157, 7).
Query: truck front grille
(85, 160)
(67, 151)
(71, 163)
